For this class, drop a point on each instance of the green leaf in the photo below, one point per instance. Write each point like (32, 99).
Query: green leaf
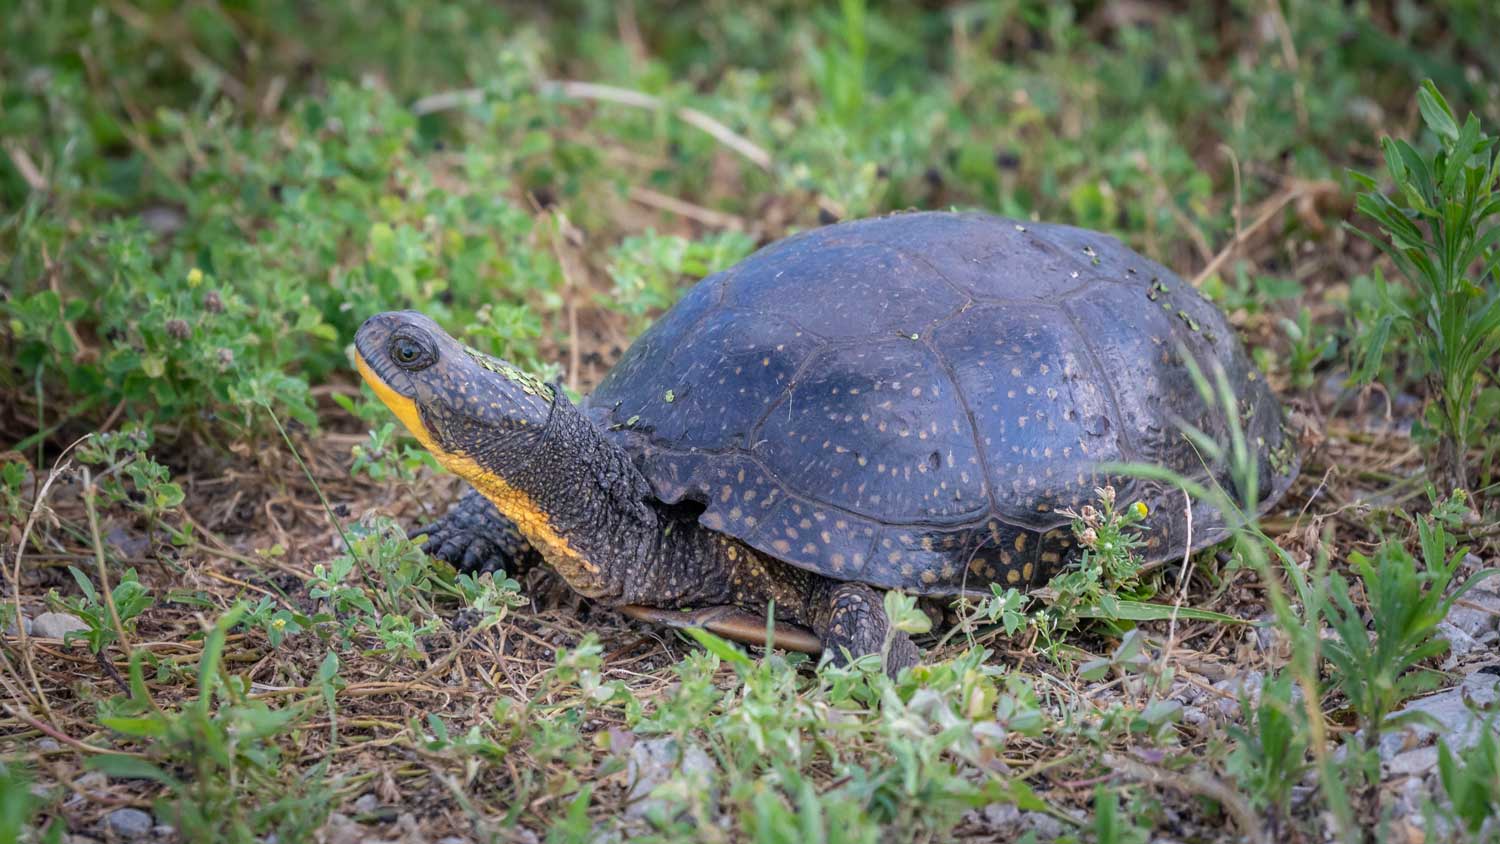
(329, 668)
(84, 584)
(141, 727)
(1127, 610)
(1094, 670)
(720, 647)
(130, 767)
(1375, 343)
(1435, 111)
(155, 366)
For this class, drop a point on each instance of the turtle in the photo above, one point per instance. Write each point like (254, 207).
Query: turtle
(912, 402)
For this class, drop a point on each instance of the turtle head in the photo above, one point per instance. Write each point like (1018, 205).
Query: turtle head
(477, 414)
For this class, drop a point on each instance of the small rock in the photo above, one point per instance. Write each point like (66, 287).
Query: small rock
(46, 744)
(1046, 827)
(129, 544)
(162, 219)
(1264, 632)
(10, 629)
(454, 839)
(1187, 694)
(130, 824)
(1460, 642)
(366, 804)
(55, 625)
(1247, 684)
(163, 831)
(1001, 815)
(90, 780)
(1414, 762)
(1452, 708)
(1193, 716)
(339, 829)
(654, 762)
(1477, 612)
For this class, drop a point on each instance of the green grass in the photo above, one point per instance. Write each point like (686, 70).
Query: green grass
(1444, 237)
(200, 202)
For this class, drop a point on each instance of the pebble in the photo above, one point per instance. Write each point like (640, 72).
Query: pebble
(1000, 815)
(1478, 613)
(47, 744)
(1245, 684)
(1460, 643)
(1454, 709)
(130, 824)
(10, 629)
(339, 829)
(366, 804)
(1046, 827)
(654, 762)
(55, 625)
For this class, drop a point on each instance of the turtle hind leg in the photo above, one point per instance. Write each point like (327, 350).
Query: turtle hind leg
(855, 624)
(475, 538)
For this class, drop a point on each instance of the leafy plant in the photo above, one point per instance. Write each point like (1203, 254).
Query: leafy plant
(1111, 824)
(217, 756)
(18, 805)
(151, 492)
(1472, 781)
(1107, 569)
(1441, 231)
(382, 460)
(1269, 755)
(1376, 667)
(1311, 344)
(277, 622)
(129, 599)
(648, 269)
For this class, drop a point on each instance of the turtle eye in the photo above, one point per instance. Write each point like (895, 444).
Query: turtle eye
(409, 353)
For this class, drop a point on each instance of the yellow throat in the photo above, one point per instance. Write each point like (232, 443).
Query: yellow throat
(515, 504)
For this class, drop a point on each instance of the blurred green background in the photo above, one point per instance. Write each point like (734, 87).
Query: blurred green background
(288, 153)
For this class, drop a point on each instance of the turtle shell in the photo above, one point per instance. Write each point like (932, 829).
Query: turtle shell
(910, 401)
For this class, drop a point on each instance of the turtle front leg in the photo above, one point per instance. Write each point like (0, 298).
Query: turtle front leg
(853, 620)
(475, 538)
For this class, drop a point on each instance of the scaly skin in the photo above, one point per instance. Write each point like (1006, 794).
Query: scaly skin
(579, 501)
(849, 617)
(475, 538)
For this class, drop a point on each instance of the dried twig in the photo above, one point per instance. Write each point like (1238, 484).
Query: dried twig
(572, 89)
(683, 208)
(30, 173)
(1268, 211)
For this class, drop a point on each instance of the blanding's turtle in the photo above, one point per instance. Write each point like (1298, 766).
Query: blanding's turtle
(896, 403)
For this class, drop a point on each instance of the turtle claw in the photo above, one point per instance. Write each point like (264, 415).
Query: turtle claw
(474, 538)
